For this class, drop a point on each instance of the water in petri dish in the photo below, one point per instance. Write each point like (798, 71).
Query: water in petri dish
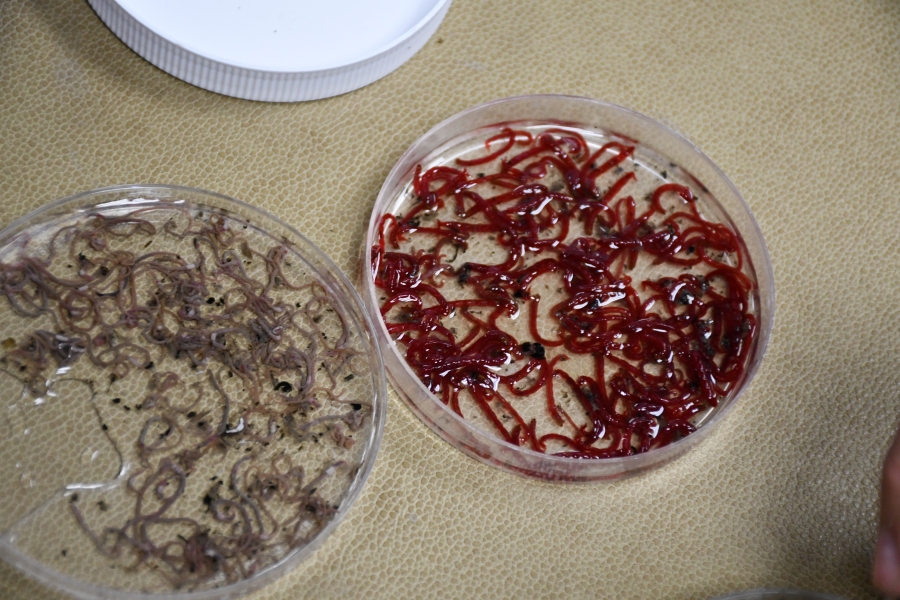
(566, 290)
(186, 403)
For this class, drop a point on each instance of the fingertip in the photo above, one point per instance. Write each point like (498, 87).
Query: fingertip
(886, 570)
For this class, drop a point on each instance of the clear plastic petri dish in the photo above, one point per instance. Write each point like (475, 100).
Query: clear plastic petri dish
(568, 290)
(778, 594)
(192, 395)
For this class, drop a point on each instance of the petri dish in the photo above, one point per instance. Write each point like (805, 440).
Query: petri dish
(568, 290)
(773, 594)
(192, 395)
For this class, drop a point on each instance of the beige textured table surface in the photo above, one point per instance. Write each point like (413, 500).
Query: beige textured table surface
(798, 102)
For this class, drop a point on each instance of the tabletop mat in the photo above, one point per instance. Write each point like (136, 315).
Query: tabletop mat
(797, 102)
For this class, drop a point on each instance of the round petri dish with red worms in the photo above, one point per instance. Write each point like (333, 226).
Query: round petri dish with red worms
(192, 395)
(568, 290)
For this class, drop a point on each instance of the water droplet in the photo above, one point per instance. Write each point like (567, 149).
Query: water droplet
(89, 455)
(26, 479)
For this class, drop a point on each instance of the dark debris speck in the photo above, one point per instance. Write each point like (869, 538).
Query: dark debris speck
(534, 350)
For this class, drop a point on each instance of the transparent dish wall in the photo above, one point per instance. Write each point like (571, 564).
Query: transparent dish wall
(660, 157)
(193, 395)
(775, 594)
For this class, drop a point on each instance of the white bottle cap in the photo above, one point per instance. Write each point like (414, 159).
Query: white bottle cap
(274, 50)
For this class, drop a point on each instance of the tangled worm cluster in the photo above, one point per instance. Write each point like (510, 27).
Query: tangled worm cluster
(241, 445)
(568, 298)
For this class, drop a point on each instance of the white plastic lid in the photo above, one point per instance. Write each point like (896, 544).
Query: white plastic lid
(274, 50)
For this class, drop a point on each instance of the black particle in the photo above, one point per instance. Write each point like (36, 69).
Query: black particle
(284, 387)
(349, 377)
(116, 400)
(534, 350)
(104, 427)
(463, 276)
(356, 407)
